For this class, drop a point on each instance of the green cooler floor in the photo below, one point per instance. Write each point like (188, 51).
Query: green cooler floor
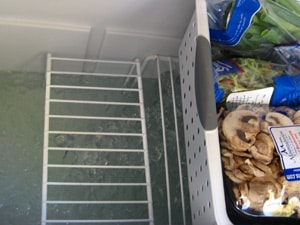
(21, 147)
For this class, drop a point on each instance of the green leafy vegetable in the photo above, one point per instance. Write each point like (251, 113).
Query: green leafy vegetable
(277, 22)
(255, 74)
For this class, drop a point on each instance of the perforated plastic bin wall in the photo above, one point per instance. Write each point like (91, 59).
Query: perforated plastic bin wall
(201, 133)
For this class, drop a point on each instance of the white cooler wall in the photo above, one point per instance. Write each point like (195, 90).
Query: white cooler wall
(24, 43)
(105, 29)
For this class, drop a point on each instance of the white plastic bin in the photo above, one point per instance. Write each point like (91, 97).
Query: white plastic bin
(200, 123)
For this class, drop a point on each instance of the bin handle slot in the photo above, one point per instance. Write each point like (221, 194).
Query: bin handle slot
(205, 96)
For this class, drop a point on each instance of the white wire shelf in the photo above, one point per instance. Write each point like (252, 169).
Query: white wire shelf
(55, 140)
(77, 161)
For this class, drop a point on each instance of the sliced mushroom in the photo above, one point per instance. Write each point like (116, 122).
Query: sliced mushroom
(237, 190)
(245, 168)
(241, 175)
(242, 154)
(249, 157)
(265, 168)
(261, 111)
(291, 188)
(256, 171)
(275, 207)
(296, 118)
(240, 128)
(226, 163)
(225, 150)
(291, 191)
(220, 112)
(232, 177)
(258, 191)
(275, 167)
(286, 110)
(278, 119)
(297, 211)
(232, 161)
(241, 191)
(263, 148)
(225, 144)
(264, 126)
(274, 119)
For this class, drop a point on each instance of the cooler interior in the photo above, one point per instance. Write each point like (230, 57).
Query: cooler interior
(114, 140)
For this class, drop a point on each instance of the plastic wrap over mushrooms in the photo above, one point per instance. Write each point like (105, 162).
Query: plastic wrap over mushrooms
(251, 162)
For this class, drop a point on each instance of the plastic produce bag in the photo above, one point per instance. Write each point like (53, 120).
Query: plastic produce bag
(252, 28)
(290, 55)
(243, 74)
(286, 91)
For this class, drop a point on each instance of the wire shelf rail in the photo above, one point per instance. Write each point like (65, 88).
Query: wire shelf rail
(67, 102)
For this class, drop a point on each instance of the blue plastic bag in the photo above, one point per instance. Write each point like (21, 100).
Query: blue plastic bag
(286, 91)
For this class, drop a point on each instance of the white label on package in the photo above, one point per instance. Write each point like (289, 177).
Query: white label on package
(287, 143)
(256, 97)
